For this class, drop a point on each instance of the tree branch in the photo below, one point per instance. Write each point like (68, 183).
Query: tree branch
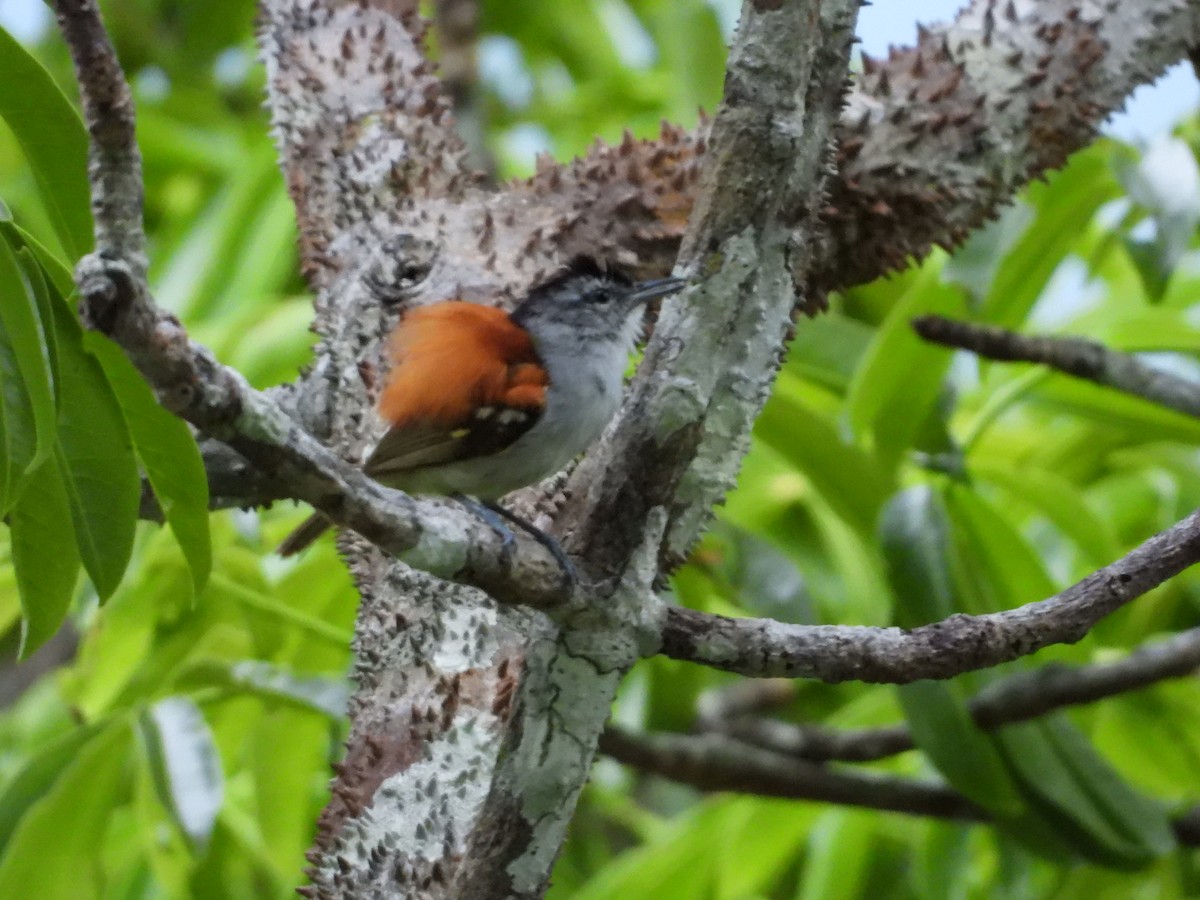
(1017, 698)
(933, 140)
(218, 401)
(930, 145)
(538, 694)
(940, 135)
(715, 763)
(1075, 356)
(961, 643)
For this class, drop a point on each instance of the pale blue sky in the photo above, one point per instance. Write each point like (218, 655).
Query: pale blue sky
(1151, 110)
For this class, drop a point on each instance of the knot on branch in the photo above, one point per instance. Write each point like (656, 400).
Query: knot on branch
(107, 289)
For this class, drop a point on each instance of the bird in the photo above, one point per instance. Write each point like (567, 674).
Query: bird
(480, 402)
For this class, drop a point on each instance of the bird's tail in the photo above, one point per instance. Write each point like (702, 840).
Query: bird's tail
(311, 529)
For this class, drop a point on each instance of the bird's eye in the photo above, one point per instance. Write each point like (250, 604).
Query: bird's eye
(597, 295)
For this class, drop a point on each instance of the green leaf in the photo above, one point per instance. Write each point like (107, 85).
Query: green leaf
(1152, 329)
(55, 853)
(24, 331)
(915, 536)
(942, 728)
(53, 140)
(838, 861)
(1142, 420)
(285, 747)
(1064, 208)
(55, 269)
(44, 556)
(183, 759)
(18, 428)
(1069, 785)
(999, 563)
(1140, 819)
(37, 776)
(900, 378)
(168, 454)
(45, 294)
(96, 461)
(1058, 500)
(847, 478)
(829, 349)
(749, 860)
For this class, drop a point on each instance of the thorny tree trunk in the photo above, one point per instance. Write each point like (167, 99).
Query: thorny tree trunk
(474, 725)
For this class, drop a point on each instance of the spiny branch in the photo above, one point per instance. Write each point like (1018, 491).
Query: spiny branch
(115, 300)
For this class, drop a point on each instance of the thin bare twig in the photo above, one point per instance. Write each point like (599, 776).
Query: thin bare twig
(1075, 356)
(1018, 698)
(763, 648)
(717, 763)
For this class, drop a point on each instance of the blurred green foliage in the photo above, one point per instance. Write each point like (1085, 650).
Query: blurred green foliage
(184, 751)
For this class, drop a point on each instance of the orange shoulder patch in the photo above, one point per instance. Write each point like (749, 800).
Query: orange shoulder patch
(450, 358)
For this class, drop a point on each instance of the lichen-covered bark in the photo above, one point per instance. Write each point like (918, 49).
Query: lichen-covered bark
(474, 725)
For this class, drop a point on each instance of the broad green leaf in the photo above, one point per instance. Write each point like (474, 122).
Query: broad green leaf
(96, 461)
(286, 747)
(1155, 329)
(1064, 208)
(914, 535)
(1140, 819)
(900, 378)
(45, 556)
(270, 345)
(838, 860)
(183, 759)
(18, 427)
(829, 349)
(751, 860)
(1140, 420)
(53, 140)
(164, 854)
(195, 275)
(24, 331)
(1059, 501)
(1069, 785)
(1005, 568)
(943, 866)
(56, 270)
(847, 478)
(168, 454)
(37, 776)
(55, 853)
(942, 728)
(45, 295)
(680, 863)
(917, 544)
(1169, 765)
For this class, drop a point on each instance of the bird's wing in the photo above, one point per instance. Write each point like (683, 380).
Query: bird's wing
(465, 382)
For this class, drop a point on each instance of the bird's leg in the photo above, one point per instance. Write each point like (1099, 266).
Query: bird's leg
(495, 514)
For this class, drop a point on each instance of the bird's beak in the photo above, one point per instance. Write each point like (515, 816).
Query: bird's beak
(645, 291)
